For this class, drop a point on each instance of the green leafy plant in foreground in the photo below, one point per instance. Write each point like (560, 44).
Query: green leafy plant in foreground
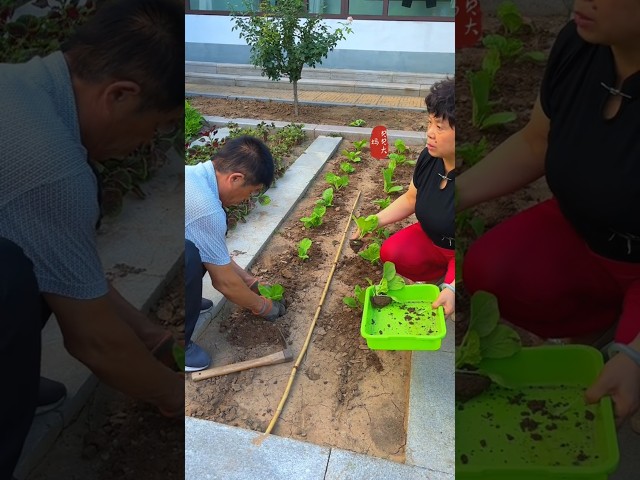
(303, 248)
(472, 153)
(510, 17)
(400, 146)
(192, 121)
(486, 337)
(383, 203)
(389, 282)
(177, 352)
(387, 175)
(352, 156)
(327, 198)
(359, 144)
(315, 219)
(358, 298)
(347, 168)
(365, 224)
(371, 253)
(358, 123)
(273, 292)
(337, 181)
(481, 116)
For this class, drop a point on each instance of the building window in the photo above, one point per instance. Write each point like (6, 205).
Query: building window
(414, 9)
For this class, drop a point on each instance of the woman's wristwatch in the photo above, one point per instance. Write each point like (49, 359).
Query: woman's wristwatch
(449, 286)
(630, 352)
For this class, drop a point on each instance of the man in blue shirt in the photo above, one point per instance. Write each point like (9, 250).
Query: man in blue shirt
(114, 84)
(243, 166)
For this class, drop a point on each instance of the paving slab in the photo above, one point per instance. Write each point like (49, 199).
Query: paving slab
(323, 98)
(431, 416)
(345, 465)
(215, 451)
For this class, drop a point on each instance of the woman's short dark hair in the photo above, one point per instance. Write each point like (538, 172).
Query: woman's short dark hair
(441, 101)
(249, 156)
(137, 40)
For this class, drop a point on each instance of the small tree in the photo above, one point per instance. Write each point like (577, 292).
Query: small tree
(284, 37)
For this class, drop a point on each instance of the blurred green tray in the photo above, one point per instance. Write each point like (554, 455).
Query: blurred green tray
(408, 324)
(515, 433)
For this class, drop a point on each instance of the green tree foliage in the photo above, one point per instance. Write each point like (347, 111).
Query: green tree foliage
(285, 37)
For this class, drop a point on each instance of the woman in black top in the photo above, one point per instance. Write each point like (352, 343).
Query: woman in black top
(425, 251)
(570, 266)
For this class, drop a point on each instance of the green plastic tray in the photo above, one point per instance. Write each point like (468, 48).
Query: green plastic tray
(408, 324)
(508, 433)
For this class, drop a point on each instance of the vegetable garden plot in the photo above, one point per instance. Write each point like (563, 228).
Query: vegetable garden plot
(344, 395)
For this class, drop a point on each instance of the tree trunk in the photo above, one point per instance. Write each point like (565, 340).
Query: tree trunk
(295, 97)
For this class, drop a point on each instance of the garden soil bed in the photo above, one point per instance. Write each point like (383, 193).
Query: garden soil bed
(344, 395)
(393, 119)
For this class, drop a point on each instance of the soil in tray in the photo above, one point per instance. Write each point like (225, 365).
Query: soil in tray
(410, 318)
(518, 428)
(345, 395)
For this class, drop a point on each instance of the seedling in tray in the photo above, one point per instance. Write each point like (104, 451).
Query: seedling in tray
(390, 281)
(485, 338)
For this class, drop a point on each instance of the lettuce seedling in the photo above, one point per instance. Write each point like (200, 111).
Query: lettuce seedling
(389, 187)
(390, 280)
(400, 146)
(359, 144)
(486, 337)
(336, 181)
(366, 224)
(359, 295)
(315, 219)
(273, 292)
(352, 156)
(371, 253)
(303, 248)
(347, 168)
(358, 123)
(327, 198)
(383, 203)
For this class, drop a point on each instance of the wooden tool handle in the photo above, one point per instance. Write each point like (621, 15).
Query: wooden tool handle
(273, 359)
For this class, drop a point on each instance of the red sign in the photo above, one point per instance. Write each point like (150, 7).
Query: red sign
(468, 23)
(378, 143)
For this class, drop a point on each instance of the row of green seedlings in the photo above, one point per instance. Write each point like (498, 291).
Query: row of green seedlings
(372, 253)
(337, 182)
(499, 49)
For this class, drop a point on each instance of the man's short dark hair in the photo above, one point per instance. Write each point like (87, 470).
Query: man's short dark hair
(249, 156)
(441, 101)
(137, 40)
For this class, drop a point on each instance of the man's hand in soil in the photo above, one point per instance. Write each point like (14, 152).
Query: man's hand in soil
(446, 299)
(271, 310)
(620, 378)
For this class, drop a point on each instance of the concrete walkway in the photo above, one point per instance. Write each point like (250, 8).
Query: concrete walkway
(319, 98)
